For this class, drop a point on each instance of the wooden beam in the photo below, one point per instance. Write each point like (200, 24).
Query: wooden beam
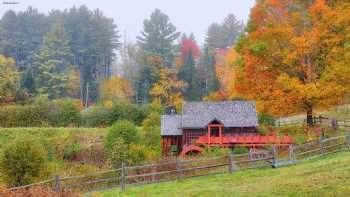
(220, 134)
(209, 129)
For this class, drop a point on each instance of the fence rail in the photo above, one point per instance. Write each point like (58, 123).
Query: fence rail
(180, 169)
(320, 120)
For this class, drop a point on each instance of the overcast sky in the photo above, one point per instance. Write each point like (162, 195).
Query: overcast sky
(187, 15)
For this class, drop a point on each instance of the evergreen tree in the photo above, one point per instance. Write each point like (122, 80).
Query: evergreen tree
(222, 36)
(52, 62)
(93, 40)
(211, 80)
(158, 36)
(188, 74)
(231, 29)
(147, 77)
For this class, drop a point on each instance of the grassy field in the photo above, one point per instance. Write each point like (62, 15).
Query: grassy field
(59, 142)
(327, 176)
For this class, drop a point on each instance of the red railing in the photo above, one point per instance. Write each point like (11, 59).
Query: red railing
(255, 140)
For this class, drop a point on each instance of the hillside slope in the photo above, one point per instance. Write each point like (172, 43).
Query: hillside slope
(326, 176)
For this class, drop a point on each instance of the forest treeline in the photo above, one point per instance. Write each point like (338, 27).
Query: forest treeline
(71, 54)
(291, 57)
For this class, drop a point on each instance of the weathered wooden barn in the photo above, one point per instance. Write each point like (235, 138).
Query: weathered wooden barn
(213, 119)
(224, 124)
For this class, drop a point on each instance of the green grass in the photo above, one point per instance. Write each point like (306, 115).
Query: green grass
(51, 133)
(327, 176)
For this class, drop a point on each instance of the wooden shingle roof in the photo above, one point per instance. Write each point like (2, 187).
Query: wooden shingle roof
(171, 125)
(200, 114)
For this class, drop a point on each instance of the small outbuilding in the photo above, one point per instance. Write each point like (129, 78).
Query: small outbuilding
(213, 120)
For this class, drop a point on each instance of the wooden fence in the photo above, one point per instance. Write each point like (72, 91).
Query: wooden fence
(179, 169)
(339, 123)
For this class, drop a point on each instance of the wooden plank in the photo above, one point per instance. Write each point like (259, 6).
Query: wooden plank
(32, 185)
(203, 167)
(150, 174)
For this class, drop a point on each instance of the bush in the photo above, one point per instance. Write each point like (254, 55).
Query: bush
(240, 150)
(124, 130)
(41, 113)
(72, 151)
(215, 151)
(65, 112)
(118, 154)
(129, 154)
(96, 116)
(265, 119)
(127, 111)
(22, 161)
(151, 131)
(24, 116)
(134, 113)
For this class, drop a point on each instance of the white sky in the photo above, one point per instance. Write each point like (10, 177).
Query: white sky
(187, 15)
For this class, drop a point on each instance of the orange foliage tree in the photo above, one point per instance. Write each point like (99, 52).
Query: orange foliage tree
(295, 56)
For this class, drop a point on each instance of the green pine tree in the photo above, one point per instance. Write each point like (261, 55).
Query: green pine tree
(51, 63)
(189, 74)
(211, 80)
(158, 36)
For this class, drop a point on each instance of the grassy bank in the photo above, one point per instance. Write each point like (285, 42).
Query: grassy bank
(51, 133)
(327, 176)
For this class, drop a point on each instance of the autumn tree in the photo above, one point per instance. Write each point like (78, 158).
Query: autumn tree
(296, 56)
(167, 92)
(189, 43)
(9, 79)
(116, 89)
(225, 69)
(147, 76)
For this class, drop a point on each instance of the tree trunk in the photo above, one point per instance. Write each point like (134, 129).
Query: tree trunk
(309, 116)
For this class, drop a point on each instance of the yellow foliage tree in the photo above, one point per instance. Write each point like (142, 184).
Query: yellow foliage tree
(9, 79)
(167, 92)
(115, 89)
(226, 67)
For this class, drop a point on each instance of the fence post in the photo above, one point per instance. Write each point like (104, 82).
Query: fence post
(122, 178)
(321, 146)
(291, 153)
(57, 184)
(177, 169)
(230, 159)
(274, 156)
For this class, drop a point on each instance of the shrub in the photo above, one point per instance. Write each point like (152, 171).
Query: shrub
(24, 116)
(151, 131)
(265, 119)
(129, 154)
(40, 113)
(215, 151)
(291, 130)
(118, 154)
(71, 151)
(22, 161)
(127, 111)
(65, 112)
(240, 150)
(124, 130)
(134, 113)
(96, 116)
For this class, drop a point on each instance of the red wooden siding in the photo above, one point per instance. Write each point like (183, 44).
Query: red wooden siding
(168, 141)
